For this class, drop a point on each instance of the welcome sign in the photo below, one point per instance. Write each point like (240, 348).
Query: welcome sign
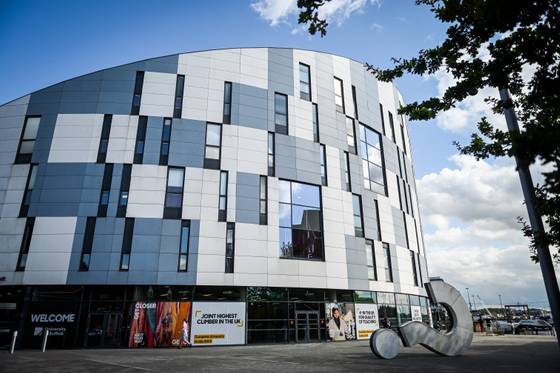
(218, 323)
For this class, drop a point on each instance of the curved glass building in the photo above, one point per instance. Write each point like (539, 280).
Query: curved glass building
(218, 197)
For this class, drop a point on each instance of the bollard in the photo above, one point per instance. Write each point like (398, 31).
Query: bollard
(13, 346)
(45, 337)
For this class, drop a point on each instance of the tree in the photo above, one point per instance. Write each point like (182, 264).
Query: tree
(516, 34)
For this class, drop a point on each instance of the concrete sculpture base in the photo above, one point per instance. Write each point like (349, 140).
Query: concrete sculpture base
(385, 343)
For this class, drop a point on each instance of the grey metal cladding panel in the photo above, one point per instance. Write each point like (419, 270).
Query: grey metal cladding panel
(390, 155)
(153, 140)
(285, 156)
(308, 161)
(247, 198)
(187, 143)
(45, 101)
(117, 87)
(251, 104)
(281, 71)
(372, 99)
(15, 108)
(356, 173)
(398, 225)
(369, 214)
(44, 138)
(166, 64)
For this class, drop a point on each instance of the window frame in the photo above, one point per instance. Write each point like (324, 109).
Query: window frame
(365, 158)
(222, 213)
(211, 163)
(137, 93)
(354, 147)
(23, 158)
(323, 161)
(355, 102)
(387, 262)
(126, 246)
(392, 125)
(165, 141)
(263, 188)
(226, 118)
(87, 244)
(230, 249)
(382, 119)
(179, 95)
(104, 140)
(271, 153)
(310, 98)
(358, 231)
(341, 85)
(185, 224)
(124, 190)
(106, 183)
(315, 119)
(26, 200)
(172, 212)
(373, 264)
(414, 271)
(280, 128)
(347, 173)
(140, 139)
(25, 244)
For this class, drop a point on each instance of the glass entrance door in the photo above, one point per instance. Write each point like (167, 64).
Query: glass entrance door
(103, 329)
(307, 326)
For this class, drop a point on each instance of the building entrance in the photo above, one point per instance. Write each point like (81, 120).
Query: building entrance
(103, 329)
(307, 326)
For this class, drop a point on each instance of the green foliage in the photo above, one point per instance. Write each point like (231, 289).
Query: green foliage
(489, 43)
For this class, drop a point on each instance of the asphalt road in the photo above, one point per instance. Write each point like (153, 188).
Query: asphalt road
(487, 354)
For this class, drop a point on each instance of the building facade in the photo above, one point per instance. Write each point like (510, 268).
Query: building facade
(271, 187)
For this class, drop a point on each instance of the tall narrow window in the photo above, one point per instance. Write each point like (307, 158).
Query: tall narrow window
(358, 220)
(271, 154)
(184, 246)
(405, 196)
(179, 90)
(403, 137)
(105, 190)
(212, 150)
(372, 161)
(138, 84)
(25, 242)
(392, 125)
(300, 221)
(405, 230)
(126, 248)
(410, 201)
(124, 190)
(140, 139)
(174, 193)
(413, 263)
(347, 177)
(400, 192)
(350, 135)
(230, 247)
(315, 122)
(30, 184)
(104, 141)
(387, 262)
(87, 244)
(165, 141)
(420, 270)
(27, 140)
(339, 95)
(379, 238)
(370, 258)
(382, 119)
(281, 113)
(304, 82)
(263, 200)
(323, 156)
(355, 102)
(227, 103)
(222, 199)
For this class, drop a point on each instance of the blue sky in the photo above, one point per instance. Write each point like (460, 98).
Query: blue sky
(468, 207)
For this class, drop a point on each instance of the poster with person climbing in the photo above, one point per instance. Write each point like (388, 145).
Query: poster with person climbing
(341, 325)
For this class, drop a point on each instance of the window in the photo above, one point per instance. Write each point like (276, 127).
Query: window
(403, 136)
(382, 119)
(271, 154)
(281, 113)
(165, 141)
(372, 162)
(413, 263)
(350, 135)
(358, 220)
(300, 221)
(126, 244)
(387, 262)
(410, 199)
(315, 123)
(263, 201)
(174, 193)
(222, 199)
(420, 270)
(392, 125)
(212, 150)
(323, 156)
(138, 84)
(227, 102)
(140, 139)
(405, 196)
(124, 190)
(27, 140)
(29, 185)
(105, 190)
(400, 192)
(378, 221)
(355, 102)
(87, 244)
(304, 82)
(184, 246)
(347, 177)
(104, 141)
(230, 247)
(25, 242)
(370, 257)
(338, 95)
(179, 90)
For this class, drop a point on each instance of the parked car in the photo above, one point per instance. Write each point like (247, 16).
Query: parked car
(532, 326)
(503, 326)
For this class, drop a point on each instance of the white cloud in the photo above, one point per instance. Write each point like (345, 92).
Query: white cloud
(376, 27)
(474, 240)
(285, 11)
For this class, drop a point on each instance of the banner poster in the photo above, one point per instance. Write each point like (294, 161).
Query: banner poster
(218, 323)
(341, 325)
(160, 324)
(416, 313)
(367, 319)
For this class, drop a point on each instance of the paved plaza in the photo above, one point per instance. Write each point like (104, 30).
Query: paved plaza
(487, 354)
